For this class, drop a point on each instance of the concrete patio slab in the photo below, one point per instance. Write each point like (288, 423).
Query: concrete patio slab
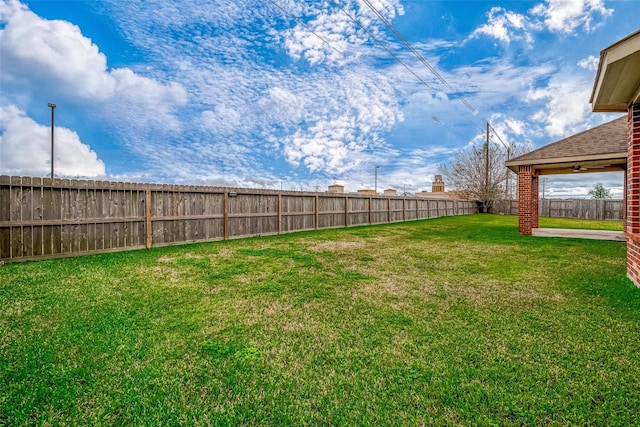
(618, 236)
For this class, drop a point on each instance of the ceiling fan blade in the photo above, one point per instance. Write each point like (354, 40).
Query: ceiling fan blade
(596, 165)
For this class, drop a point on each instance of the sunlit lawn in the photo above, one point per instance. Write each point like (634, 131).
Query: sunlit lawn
(589, 224)
(453, 321)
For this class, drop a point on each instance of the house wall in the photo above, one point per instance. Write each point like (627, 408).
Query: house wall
(632, 223)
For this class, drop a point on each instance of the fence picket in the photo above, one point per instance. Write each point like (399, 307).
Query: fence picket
(603, 209)
(41, 218)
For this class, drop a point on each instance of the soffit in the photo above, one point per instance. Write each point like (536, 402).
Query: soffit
(617, 83)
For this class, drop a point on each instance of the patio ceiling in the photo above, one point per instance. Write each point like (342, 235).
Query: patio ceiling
(600, 149)
(617, 83)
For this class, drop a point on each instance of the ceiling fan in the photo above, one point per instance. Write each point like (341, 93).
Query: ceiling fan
(584, 167)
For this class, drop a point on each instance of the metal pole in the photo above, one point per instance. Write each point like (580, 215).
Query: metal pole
(508, 173)
(486, 165)
(376, 183)
(53, 108)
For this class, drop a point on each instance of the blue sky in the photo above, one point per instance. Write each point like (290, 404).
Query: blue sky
(295, 94)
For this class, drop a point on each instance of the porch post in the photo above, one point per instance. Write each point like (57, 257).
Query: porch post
(632, 221)
(525, 200)
(534, 201)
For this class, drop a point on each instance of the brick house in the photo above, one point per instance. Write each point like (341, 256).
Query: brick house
(601, 149)
(617, 89)
(611, 146)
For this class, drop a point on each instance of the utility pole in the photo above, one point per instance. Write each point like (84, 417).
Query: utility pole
(486, 165)
(53, 109)
(508, 190)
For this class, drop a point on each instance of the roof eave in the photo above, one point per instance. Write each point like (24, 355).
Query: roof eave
(514, 165)
(617, 80)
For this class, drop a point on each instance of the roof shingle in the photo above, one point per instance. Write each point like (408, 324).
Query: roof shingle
(608, 138)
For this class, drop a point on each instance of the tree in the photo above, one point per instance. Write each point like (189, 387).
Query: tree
(599, 192)
(479, 172)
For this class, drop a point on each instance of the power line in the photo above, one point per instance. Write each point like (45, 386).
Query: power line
(431, 68)
(420, 58)
(389, 25)
(379, 43)
(473, 110)
(406, 43)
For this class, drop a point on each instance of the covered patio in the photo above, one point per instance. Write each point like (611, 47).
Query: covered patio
(600, 149)
(617, 89)
(613, 146)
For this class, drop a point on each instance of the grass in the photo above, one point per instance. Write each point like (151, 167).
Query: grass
(452, 321)
(589, 224)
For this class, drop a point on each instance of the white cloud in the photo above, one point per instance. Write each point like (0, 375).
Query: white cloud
(55, 51)
(508, 129)
(348, 120)
(266, 101)
(25, 148)
(282, 105)
(331, 36)
(558, 16)
(567, 105)
(504, 25)
(221, 119)
(566, 16)
(53, 57)
(589, 63)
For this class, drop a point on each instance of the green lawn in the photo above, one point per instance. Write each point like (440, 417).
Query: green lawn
(451, 321)
(589, 224)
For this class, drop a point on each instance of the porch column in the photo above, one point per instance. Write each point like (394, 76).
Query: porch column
(527, 200)
(534, 201)
(632, 221)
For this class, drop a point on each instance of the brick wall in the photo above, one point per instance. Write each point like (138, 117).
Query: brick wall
(527, 200)
(534, 202)
(632, 223)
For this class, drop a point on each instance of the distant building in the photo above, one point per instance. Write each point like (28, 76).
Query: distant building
(367, 191)
(453, 195)
(336, 188)
(390, 192)
(437, 186)
(438, 192)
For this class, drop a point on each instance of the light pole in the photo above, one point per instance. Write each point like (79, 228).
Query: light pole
(53, 116)
(376, 182)
(544, 181)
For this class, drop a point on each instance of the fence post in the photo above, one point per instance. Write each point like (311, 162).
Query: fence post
(346, 211)
(404, 208)
(279, 208)
(316, 216)
(148, 226)
(225, 218)
(117, 219)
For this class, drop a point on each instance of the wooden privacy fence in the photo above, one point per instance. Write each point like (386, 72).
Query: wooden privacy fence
(42, 218)
(605, 209)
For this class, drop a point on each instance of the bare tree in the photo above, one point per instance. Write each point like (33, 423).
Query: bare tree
(480, 173)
